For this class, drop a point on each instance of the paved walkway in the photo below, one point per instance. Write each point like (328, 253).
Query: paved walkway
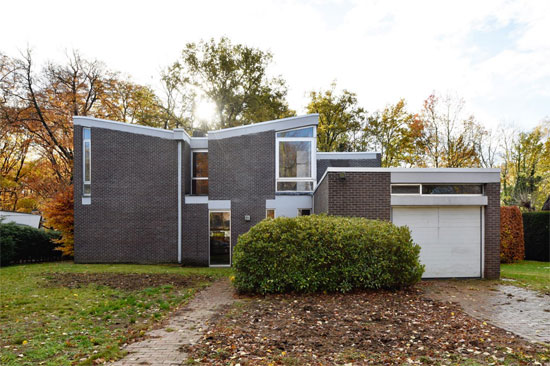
(517, 310)
(163, 346)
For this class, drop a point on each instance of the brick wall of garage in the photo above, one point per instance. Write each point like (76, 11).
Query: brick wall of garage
(361, 194)
(323, 164)
(242, 169)
(195, 236)
(492, 231)
(133, 212)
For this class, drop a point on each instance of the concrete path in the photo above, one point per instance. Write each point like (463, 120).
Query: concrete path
(163, 346)
(518, 310)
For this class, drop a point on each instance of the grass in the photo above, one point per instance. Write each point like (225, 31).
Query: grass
(44, 324)
(529, 274)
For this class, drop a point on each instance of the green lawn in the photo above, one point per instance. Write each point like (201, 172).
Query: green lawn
(530, 274)
(47, 319)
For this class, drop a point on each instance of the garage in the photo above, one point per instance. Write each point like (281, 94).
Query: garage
(449, 237)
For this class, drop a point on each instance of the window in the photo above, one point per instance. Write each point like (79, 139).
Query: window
(451, 189)
(199, 179)
(432, 189)
(304, 212)
(405, 189)
(295, 164)
(270, 213)
(86, 162)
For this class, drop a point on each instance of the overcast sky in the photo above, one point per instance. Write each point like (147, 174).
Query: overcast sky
(494, 53)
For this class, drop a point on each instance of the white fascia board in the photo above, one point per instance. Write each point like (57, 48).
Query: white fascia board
(346, 155)
(196, 200)
(219, 204)
(199, 143)
(178, 134)
(275, 125)
(427, 175)
(435, 200)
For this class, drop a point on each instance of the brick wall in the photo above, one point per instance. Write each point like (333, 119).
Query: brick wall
(323, 164)
(320, 198)
(361, 194)
(133, 211)
(492, 231)
(242, 169)
(195, 236)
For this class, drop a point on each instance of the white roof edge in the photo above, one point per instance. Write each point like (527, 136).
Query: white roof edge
(274, 125)
(130, 128)
(352, 155)
(413, 170)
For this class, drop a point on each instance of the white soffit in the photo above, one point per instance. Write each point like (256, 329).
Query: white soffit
(346, 155)
(435, 200)
(275, 125)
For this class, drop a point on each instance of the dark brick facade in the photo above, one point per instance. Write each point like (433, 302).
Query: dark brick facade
(242, 169)
(195, 235)
(492, 231)
(133, 212)
(361, 194)
(323, 164)
(320, 198)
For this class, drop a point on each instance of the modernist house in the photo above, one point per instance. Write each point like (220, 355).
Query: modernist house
(144, 194)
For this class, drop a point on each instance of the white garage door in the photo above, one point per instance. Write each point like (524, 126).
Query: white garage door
(449, 237)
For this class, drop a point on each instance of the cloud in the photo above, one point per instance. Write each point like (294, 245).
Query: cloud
(494, 53)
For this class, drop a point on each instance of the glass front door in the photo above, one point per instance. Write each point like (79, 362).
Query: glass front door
(220, 238)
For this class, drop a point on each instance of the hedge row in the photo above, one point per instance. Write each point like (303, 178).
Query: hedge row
(325, 253)
(512, 248)
(536, 228)
(19, 243)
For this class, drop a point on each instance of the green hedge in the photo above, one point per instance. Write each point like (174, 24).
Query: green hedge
(19, 243)
(325, 253)
(536, 229)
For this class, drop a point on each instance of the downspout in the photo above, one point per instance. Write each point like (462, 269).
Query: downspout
(179, 201)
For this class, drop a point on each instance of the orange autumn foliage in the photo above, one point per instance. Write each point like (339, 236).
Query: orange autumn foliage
(59, 214)
(512, 246)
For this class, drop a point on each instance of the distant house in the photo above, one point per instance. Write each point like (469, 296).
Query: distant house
(145, 194)
(21, 218)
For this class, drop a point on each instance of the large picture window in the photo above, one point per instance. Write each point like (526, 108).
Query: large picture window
(199, 179)
(295, 160)
(86, 161)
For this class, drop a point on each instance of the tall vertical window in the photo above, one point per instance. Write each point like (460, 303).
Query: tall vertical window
(296, 160)
(199, 179)
(87, 161)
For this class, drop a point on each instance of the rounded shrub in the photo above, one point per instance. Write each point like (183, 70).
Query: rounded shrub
(512, 246)
(19, 243)
(325, 253)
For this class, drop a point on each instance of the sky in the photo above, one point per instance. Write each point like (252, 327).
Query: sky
(493, 53)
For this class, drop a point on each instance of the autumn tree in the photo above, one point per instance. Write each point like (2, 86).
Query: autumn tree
(232, 76)
(340, 119)
(396, 134)
(449, 134)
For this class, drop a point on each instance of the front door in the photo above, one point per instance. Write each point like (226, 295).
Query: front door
(220, 238)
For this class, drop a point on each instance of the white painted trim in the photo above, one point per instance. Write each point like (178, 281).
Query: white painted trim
(438, 175)
(346, 155)
(86, 200)
(130, 128)
(438, 200)
(199, 143)
(275, 125)
(313, 162)
(219, 204)
(196, 200)
(179, 203)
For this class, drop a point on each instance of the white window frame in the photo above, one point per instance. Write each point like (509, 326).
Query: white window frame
(300, 211)
(84, 141)
(313, 178)
(438, 195)
(193, 171)
(230, 240)
(271, 209)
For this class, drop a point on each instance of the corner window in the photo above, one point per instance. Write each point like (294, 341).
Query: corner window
(295, 164)
(199, 178)
(86, 161)
(270, 213)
